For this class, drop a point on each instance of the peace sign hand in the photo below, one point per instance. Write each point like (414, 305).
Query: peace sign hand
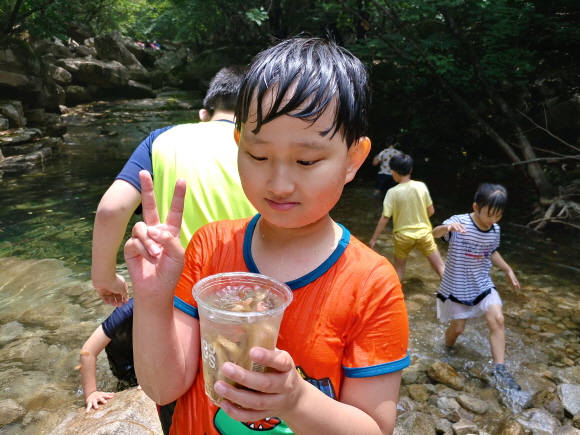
(154, 254)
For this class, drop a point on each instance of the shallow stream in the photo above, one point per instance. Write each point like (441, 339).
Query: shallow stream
(48, 307)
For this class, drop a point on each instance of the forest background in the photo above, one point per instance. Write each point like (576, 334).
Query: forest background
(475, 89)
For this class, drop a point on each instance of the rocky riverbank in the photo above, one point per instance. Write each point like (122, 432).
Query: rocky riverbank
(40, 80)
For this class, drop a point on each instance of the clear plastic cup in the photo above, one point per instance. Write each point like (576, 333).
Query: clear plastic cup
(237, 311)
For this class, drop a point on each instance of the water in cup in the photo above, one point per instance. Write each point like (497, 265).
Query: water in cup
(237, 311)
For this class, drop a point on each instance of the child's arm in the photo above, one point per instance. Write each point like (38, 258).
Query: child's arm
(498, 261)
(430, 210)
(113, 214)
(381, 224)
(91, 349)
(443, 230)
(367, 404)
(166, 343)
(376, 161)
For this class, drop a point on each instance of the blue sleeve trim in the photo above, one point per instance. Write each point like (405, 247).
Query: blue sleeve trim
(185, 307)
(380, 369)
(140, 159)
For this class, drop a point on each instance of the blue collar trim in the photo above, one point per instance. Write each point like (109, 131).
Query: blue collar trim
(309, 277)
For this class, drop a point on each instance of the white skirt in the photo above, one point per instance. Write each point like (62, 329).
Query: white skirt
(449, 310)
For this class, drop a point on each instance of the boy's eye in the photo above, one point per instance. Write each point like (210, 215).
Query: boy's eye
(257, 158)
(306, 162)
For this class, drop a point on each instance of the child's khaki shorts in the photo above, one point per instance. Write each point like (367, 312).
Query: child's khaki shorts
(405, 244)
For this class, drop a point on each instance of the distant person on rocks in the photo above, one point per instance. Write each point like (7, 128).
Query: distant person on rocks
(204, 154)
(385, 176)
(410, 206)
(467, 290)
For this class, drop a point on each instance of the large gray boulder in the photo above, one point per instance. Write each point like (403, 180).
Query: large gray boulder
(109, 75)
(56, 49)
(110, 47)
(20, 68)
(130, 412)
(12, 110)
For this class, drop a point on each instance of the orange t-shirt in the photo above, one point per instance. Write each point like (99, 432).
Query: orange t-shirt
(347, 318)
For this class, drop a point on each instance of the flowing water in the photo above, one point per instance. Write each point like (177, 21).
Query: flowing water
(48, 307)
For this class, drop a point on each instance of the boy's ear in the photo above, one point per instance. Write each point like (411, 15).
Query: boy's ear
(237, 136)
(357, 154)
(204, 115)
(475, 207)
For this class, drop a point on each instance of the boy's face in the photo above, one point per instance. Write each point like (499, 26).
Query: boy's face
(291, 174)
(485, 217)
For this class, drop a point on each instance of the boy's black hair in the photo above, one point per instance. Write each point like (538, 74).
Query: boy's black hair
(223, 90)
(401, 163)
(314, 75)
(492, 196)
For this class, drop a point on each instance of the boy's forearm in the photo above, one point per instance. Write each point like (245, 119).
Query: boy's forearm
(113, 215)
(88, 374)
(340, 418)
(383, 221)
(164, 362)
(440, 231)
(498, 261)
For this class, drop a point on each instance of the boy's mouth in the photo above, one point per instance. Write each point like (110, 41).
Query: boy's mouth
(280, 205)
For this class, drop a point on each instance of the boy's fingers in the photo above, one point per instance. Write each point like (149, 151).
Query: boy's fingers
(243, 413)
(150, 214)
(142, 243)
(277, 359)
(176, 211)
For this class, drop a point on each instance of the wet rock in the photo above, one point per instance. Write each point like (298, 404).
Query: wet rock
(539, 422)
(20, 68)
(130, 412)
(77, 95)
(569, 375)
(511, 427)
(407, 404)
(110, 47)
(569, 394)
(55, 48)
(59, 75)
(567, 430)
(35, 115)
(4, 124)
(35, 417)
(10, 411)
(26, 162)
(550, 402)
(18, 136)
(82, 51)
(415, 423)
(139, 90)
(465, 427)
(13, 112)
(447, 404)
(109, 75)
(168, 62)
(576, 421)
(472, 404)
(445, 374)
(418, 392)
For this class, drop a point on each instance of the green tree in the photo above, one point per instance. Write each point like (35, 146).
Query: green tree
(469, 50)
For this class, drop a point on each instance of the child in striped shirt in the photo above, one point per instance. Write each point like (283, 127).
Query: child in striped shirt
(467, 290)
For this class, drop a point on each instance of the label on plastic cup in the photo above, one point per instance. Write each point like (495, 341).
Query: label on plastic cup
(237, 311)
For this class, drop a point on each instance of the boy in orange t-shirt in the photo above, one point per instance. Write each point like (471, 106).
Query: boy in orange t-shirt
(343, 340)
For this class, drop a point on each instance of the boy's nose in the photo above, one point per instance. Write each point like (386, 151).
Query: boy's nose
(280, 183)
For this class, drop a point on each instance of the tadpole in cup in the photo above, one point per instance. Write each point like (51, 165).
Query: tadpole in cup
(237, 311)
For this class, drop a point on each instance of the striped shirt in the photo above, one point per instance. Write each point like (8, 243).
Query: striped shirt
(466, 279)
